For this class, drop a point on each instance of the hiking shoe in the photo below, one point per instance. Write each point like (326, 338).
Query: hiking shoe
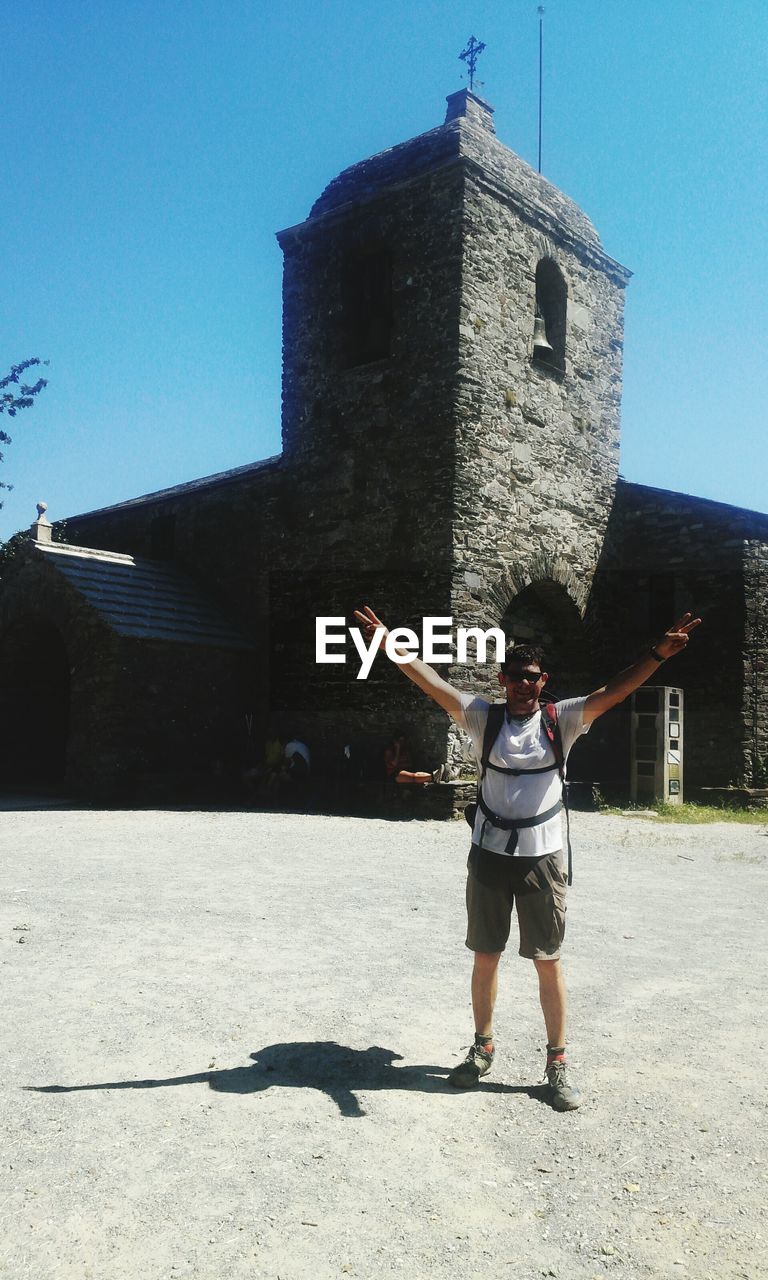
(476, 1064)
(561, 1094)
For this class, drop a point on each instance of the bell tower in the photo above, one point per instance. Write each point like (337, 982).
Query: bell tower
(452, 349)
(452, 342)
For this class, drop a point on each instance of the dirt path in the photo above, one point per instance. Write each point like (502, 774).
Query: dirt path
(226, 1039)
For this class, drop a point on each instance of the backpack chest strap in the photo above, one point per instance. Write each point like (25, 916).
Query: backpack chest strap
(519, 824)
(516, 773)
(513, 825)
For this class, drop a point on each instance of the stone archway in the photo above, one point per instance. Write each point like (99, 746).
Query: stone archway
(545, 614)
(542, 602)
(34, 703)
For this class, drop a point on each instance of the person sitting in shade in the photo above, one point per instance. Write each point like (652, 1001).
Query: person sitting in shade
(397, 764)
(297, 759)
(275, 766)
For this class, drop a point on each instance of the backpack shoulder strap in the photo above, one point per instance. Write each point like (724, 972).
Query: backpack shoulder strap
(552, 729)
(492, 730)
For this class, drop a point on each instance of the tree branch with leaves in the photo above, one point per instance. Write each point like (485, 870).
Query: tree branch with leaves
(16, 395)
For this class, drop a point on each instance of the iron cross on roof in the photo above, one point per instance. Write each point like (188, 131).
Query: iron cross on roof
(470, 56)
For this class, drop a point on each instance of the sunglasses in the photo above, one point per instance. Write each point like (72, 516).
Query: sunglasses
(530, 677)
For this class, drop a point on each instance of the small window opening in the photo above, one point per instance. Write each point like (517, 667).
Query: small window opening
(367, 307)
(549, 325)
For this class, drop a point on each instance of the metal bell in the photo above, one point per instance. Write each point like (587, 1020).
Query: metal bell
(541, 345)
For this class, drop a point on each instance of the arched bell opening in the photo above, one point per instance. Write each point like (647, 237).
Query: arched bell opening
(34, 703)
(550, 318)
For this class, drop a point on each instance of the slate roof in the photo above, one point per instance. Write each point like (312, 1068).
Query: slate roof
(217, 481)
(142, 598)
(738, 521)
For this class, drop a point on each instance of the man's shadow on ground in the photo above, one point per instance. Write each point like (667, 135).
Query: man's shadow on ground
(334, 1069)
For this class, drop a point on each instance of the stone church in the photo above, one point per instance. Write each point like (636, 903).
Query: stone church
(452, 364)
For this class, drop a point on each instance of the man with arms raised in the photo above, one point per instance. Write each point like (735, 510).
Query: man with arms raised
(516, 856)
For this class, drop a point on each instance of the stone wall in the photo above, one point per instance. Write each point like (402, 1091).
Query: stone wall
(537, 454)
(667, 553)
(179, 718)
(756, 662)
(36, 599)
(143, 718)
(537, 448)
(228, 532)
(370, 449)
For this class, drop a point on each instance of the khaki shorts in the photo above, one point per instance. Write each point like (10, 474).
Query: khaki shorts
(536, 886)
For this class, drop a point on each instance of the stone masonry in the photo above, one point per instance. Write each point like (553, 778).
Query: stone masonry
(671, 552)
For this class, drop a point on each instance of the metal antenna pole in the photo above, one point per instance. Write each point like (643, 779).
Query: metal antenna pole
(541, 67)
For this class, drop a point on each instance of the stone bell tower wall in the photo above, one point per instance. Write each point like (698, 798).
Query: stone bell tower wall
(370, 445)
(537, 447)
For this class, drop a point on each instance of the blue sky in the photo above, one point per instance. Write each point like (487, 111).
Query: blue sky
(152, 150)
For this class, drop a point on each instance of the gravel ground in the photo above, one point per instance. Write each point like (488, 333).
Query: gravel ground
(227, 1035)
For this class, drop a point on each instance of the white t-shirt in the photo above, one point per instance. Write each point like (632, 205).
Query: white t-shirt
(521, 744)
(296, 748)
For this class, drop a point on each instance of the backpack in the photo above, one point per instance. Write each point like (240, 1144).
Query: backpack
(549, 721)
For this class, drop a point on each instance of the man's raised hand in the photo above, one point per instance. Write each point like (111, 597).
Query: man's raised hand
(676, 638)
(369, 624)
(425, 678)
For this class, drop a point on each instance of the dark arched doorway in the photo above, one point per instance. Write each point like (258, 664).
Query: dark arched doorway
(543, 613)
(34, 703)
